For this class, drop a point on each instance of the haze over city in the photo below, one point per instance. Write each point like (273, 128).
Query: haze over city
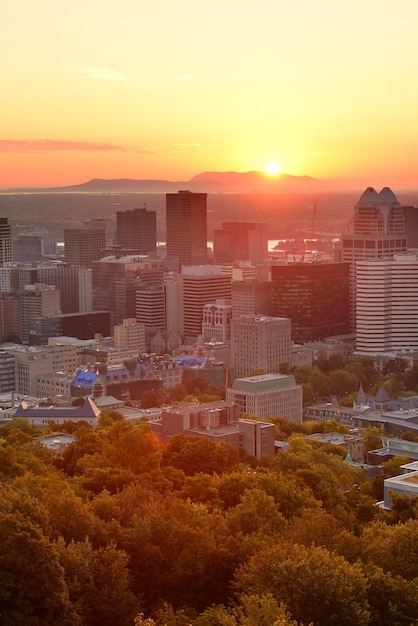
(93, 90)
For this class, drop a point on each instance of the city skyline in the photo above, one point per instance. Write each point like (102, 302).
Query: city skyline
(169, 91)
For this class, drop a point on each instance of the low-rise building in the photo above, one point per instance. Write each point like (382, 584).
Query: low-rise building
(266, 396)
(218, 422)
(43, 416)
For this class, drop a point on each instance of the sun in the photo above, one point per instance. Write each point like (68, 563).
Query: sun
(272, 169)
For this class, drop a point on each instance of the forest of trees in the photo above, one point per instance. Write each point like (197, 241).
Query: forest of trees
(121, 530)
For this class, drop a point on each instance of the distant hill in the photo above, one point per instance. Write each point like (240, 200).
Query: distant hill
(212, 182)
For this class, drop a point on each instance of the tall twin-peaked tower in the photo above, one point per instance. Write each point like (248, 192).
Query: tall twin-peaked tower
(377, 232)
(186, 223)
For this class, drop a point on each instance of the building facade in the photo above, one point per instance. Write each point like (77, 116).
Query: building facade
(186, 224)
(377, 230)
(137, 230)
(38, 300)
(266, 396)
(240, 241)
(116, 280)
(250, 296)
(6, 247)
(315, 296)
(216, 323)
(201, 285)
(84, 245)
(387, 304)
(260, 342)
(131, 334)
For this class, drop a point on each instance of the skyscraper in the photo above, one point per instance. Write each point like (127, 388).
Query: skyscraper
(201, 285)
(6, 249)
(377, 231)
(240, 241)
(186, 224)
(315, 296)
(84, 245)
(259, 342)
(137, 230)
(387, 304)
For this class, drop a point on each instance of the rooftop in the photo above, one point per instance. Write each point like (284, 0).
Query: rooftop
(264, 382)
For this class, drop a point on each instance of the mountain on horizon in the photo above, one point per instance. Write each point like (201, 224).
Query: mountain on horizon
(211, 182)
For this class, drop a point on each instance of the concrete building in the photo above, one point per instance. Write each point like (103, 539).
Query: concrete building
(131, 334)
(387, 304)
(186, 224)
(250, 297)
(216, 323)
(217, 422)
(10, 316)
(9, 278)
(38, 300)
(116, 280)
(240, 241)
(150, 306)
(84, 245)
(315, 296)
(106, 224)
(201, 285)
(7, 372)
(6, 247)
(377, 230)
(260, 342)
(28, 248)
(266, 396)
(354, 443)
(42, 416)
(31, 362)
(137, 230)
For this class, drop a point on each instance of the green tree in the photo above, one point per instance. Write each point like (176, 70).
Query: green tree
(315, 585)
(197, 454)
(32, 584)
(150, 399)
(342, 382)
(98, 581)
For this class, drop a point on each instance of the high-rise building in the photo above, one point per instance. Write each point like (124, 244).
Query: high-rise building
(201, 285)
(315, 296)
(130, 334)
(28, 248)
(377, 231)
(240, 241)
(84, 245)
(250, 297)
(411, 226)
(217, 321)
(150, 306)
(115, 281)
(10, 316)
(37, 300)
(6, 248)
(259, 342)
(186, 224)
(137, 230)
(387, 304)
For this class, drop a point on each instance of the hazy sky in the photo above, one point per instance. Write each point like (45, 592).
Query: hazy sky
(163, 89)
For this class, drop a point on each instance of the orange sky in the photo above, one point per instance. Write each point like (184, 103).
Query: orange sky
(167, 90)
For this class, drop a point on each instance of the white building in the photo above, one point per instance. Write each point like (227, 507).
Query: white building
(377, 230)
(269, 395)
(130, 334)
(260, 342)
(201, 284)
(216, 323)
(387, 304)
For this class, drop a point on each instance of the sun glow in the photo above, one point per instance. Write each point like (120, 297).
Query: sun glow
(272, 169)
